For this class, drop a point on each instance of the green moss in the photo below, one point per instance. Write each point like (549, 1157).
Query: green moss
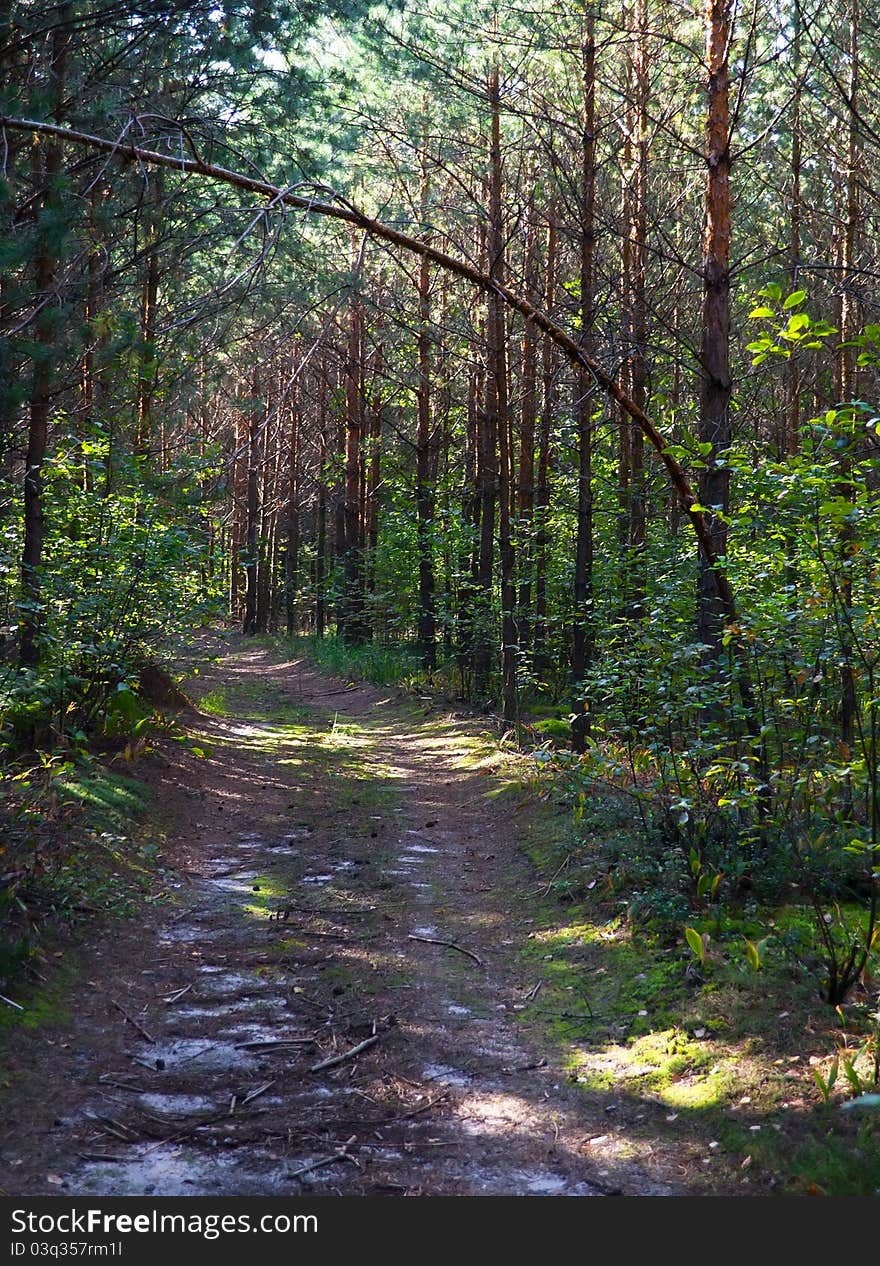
(110, 799)
(215, 702)
(44, 1005)
(267, 894)
(555, 729)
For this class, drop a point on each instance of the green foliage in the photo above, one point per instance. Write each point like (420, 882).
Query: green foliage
(384, 664)
(122, 578)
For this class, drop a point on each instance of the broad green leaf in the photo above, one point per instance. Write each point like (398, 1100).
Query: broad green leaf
(695, 941)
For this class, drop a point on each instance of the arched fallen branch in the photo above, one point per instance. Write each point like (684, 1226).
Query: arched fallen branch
(349, 214)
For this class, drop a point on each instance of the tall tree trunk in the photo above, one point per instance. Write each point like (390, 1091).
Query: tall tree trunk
(291, 555)
(339, 506)
(468, 563)
(528, 418)
(425, 450)
(353, 623)
(321, 524)
(850, 322)
(638, 368)
(542, 490)
(583, 615)
(715, 394)
(487, 480)
(252, 529)
(791, 441)
(48, 165)
(146, 380)
(373, 473)
(268, 515)
(497, 406)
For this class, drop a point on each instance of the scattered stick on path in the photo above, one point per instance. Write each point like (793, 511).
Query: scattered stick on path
(148, 1037)
(176, 995)
(433, 940)
(342, 1154)
(349, 1054)
(275, 1043)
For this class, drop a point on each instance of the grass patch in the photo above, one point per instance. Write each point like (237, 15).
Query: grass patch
(714, 1060)
(215, 702)
(383, 663)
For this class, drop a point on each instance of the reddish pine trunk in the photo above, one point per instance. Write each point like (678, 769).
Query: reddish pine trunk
(528, 417)
(542, 491)
(291, 556)
(715, 395)
(252, 513)
(497, 406)
(583, 633)
(353, 615)
(48, 171)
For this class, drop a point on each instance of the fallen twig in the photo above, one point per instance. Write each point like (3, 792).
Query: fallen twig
(178, 993)
(213, 1119)
(340, 1155)
(99, 1156)
(559, 869)
(106, 1080)
(346, 937)
(144, 1063)
(434, 940)
(117, 1129)
(349, 1054)
(414, 1112)
(148, 1037)
(255, 1094)
(10, 1003)
(275, 1043)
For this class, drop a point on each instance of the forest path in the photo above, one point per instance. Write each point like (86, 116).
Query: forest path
(326, 829)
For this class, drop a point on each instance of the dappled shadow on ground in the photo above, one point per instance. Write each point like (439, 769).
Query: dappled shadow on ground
(337, 1001)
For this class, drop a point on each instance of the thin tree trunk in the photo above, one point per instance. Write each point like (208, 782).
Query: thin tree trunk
(49, 171)
(252, 529)
(425, 465)
(487, 479)
(146, 381)
(291, 557)
(469, 557)
(528, 418)
(850, 322)
(373, 472)
(353, 624)
(542, 491)
(583, 615)
(715, 394)
(321, 524)
(497, 406)
(791, 438)
(638, 228)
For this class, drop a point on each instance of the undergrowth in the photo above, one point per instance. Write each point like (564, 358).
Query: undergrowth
(74, 849)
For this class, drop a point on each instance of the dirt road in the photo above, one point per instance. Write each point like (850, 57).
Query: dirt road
(333, 1001)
